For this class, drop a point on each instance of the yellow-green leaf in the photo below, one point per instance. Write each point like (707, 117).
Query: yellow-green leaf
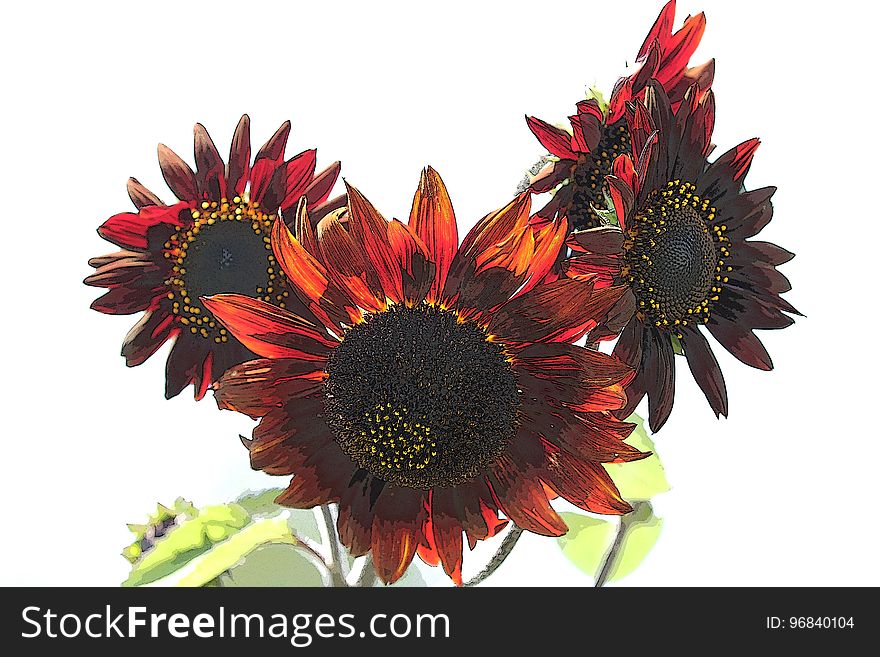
(230, 553)
(641, 529)
(587, 541)
(639, 480)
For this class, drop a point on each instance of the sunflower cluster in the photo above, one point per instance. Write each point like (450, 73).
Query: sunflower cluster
(435, 388)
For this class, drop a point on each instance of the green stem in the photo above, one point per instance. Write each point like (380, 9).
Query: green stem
(498, 558)
(611, 557)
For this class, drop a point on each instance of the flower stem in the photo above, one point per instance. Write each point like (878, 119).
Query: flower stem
(336, 562)
(367, 576)
(611, 557)
(498, 558)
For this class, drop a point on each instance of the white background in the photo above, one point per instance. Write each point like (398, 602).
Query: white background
(782, 493)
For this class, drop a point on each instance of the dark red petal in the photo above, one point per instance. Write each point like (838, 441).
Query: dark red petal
(585, 484)
(433, 220)
(129, 230)
(257, 386)
(605, 240)
(286, 438)
(557, 141)
(102, 261)
(560, 311)
(417, 270)
(320, 479)
(267, 330)
(348, 266)
(706, 372)
(549, 246)
(522, 498)
(561, 365)
(140, 195)
(239, 168)
(127, 300)
(475, 507)
(267, 160)
(677, 49)
(552, 175)
(370, 229)
(319, 189)
(622, 192)
(178, 176)
(185, 364)
(134, 271)
(661, 29)
(746, 214)
(309, 276)
(210, 176)
(587, 126)
(661, 382)
(494, 258)
(145, 337)
(724, 176)
(398, 516)
(355, 521)
(447, 532)
(298, 173)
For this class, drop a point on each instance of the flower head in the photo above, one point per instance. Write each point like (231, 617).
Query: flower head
(682, 249)
(214, 239)
(599, 132)
(438, 387)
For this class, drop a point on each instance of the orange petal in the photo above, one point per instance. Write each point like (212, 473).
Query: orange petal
(433, 220)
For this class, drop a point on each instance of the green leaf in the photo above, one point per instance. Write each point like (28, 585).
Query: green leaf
(639, 480)
(587, 541)
(261, 502)
(273, 565)
(594, 94)
(229, 553)
(191, 533)
(641, 531)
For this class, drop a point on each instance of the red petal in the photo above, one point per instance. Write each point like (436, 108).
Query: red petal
(447, 531)
(268, 159)
(308, 275)
(417, 270)
(399, 514)
(433, 220)
(256, 387)
(239, 168)
(209, 165)
(370, 229)
(179, 177)
(268, 330)
(298, 172)
(706, 371)
(347, 265)
(522, 498)
(145, 337)
(319, 189)
(561, 311)
(129, 229)
(557, 141)
(140, 195)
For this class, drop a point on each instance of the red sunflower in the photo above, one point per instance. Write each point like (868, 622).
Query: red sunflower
(599, 134)
(439, 388)
(683, 250)
(215, 239)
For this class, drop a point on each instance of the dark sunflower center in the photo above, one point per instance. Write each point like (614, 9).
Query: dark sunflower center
(420, 398)
(226, 250)
(588, 179)
(672, 257)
